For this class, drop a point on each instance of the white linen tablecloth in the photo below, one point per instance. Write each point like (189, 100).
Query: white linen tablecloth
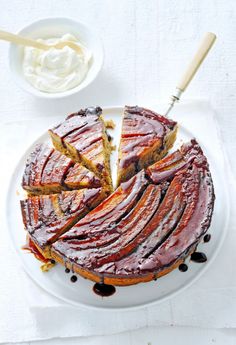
(27, 311)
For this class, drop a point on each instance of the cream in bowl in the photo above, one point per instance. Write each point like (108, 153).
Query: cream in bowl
(56, 73)
(56, 70)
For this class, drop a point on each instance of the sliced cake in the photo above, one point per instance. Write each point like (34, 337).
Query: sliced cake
(145, 138)
(48, 171)
(46, 217)
(82, 136)
(147, 227)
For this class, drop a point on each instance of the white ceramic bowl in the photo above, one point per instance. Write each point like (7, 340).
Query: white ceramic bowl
(56, 27)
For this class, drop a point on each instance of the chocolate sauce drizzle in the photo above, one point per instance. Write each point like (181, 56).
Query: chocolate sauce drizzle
(73, 279)
(207, 238)
(183, 267)
(198, 257)
(104, 290)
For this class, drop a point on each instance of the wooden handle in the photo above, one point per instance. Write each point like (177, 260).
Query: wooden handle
(7, 36)
(197, 60)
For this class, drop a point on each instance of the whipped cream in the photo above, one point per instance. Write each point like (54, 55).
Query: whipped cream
(56, 70)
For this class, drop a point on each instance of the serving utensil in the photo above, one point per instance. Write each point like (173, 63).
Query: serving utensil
(29, 42)
(198, 58)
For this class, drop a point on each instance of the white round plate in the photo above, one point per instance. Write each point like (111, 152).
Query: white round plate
(57, 282)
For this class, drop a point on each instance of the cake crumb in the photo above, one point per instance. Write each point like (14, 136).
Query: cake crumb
(110, 124)
(47, 266)
(17, 192)
(113, 147)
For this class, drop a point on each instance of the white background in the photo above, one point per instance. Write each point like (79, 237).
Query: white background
(147, 45)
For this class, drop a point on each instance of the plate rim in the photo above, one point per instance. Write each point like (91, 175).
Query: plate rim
(114, 308)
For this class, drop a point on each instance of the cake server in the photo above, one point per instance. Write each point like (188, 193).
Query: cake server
(198, 58)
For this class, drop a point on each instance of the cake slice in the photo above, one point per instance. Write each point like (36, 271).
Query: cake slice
(46, 217)
(145, 138)
(82, 136)
(48, 171)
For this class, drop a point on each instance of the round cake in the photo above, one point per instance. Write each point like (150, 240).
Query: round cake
(142, 230)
